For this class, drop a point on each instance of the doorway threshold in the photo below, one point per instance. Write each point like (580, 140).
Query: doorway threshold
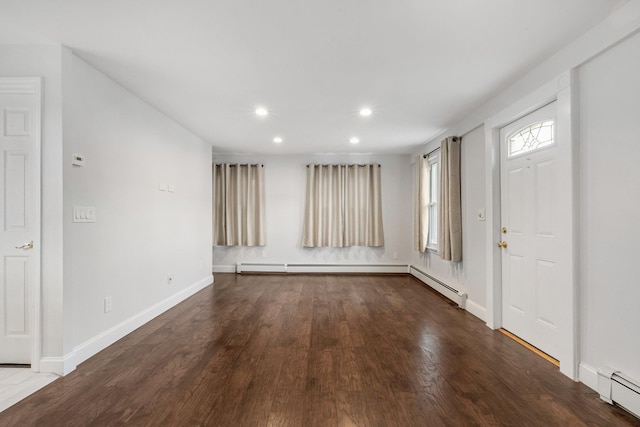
(536, 350)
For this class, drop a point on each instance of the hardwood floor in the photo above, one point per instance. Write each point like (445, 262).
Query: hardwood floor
(315, 350)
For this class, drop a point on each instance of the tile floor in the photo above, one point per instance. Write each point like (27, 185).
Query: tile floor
(16, 383)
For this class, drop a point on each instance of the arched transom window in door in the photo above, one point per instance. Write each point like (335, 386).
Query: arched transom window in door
(531, 137)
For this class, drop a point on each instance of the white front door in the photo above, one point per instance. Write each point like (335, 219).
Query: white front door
(19, 217)
(530, 207)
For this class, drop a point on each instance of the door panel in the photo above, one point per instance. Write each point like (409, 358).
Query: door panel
(515, 195)
(516, 267)
(19, 222)
(17, 122)
(545, 276)
(16, 292)
(529, 210)
(545, 178)
(15, 200)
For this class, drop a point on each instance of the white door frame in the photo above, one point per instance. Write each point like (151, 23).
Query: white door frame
(33, 86)
(563, 90)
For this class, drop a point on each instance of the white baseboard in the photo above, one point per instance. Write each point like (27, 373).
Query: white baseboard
(588, 375)
(227, 268)
(476, 309)
(59, 365)
(82, 352)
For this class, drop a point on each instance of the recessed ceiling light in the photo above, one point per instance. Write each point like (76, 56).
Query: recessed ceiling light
(261, 111)
(354, 140)
(277, 140)
(365, 112)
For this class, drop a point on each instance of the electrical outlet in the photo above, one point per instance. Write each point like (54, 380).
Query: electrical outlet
(108, 304)
(169, 278)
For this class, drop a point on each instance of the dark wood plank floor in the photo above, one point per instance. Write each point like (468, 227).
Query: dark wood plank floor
(315, 350)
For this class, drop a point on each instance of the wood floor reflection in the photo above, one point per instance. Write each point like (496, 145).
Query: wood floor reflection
(315, 350)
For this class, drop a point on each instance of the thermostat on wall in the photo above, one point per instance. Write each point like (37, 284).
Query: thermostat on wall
(78, 159)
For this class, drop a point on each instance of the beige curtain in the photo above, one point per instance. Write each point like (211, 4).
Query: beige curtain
(450, 213)
(324, 207)
(343, 206)
(238, 205)
(421, 208)
(363, 206)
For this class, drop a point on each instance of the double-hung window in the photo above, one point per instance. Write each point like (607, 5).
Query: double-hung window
(437, 218)
(434, 190)
(427, 197)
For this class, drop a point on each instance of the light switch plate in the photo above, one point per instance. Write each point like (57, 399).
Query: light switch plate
(84, 214)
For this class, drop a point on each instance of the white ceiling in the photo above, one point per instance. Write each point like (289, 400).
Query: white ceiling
(421, 65)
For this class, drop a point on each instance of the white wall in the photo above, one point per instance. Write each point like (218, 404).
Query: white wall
(285, 180)
(610, 196)
(469, 275)
(44, 61)
(141, 234)
(622, 22)
(609, 207)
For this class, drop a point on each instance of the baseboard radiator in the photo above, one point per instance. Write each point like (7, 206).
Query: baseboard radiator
(450, 292)
(616, 388)
(245, 267)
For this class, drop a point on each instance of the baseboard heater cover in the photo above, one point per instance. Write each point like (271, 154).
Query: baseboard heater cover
(617, 388)
(450, 292)
(246, 267)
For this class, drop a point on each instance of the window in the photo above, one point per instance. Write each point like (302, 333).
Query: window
(434, 190)
(427, 194)
(532, 137)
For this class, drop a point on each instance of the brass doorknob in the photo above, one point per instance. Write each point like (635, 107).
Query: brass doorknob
(502, 244)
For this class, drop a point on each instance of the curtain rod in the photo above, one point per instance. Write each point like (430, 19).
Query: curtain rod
(424, 156)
